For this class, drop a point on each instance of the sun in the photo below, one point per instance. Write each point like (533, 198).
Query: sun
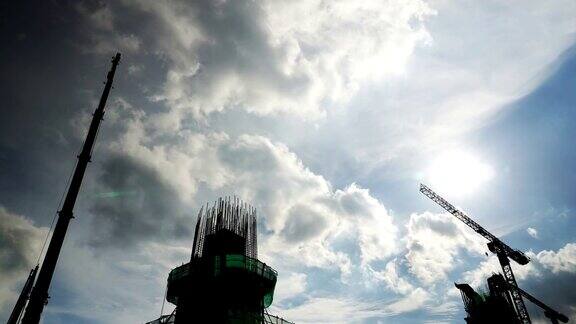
(458, 173)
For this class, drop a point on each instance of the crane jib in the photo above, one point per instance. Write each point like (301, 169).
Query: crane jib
(515, 255)
(504, 253)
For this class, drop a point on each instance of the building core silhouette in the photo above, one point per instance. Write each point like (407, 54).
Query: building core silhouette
(224, 282)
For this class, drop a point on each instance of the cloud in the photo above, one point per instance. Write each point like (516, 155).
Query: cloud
(532, 232)
(260, 65)
(349, 310)
(332, 310)
(20, 243)
(278, 56)
(547, 277)
(392, 278)
(413, 301)
(377, 232)
(303, 223)
(303, 215)
(289, 286)
(562, 261)
(103, 37)
(98, 15)
(454, 86)
(123, 285)
(434, 241)
(135, 69)
(477, 277)
(135, 205)
(355, 217)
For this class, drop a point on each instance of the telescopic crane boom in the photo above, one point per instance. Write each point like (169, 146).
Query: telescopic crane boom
(39, 294)
(24, 295)
(495, 245)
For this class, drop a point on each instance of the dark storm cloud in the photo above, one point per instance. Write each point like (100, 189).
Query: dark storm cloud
(135, 205)
(221, 55)
(47, 83)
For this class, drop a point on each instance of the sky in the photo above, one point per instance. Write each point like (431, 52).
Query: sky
(325, 116)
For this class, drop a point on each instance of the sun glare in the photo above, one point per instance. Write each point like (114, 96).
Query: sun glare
(458, 173)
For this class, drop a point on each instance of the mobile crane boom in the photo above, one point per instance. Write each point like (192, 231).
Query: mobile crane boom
(39, 294)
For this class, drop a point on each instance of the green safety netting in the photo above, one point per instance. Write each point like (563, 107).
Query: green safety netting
(268, 299)
(238, 261)
(243, 262)
(234, 261)
(250, 264)
(179, 272)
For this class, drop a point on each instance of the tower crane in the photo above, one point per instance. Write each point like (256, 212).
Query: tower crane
(549, 312)
(504, 253)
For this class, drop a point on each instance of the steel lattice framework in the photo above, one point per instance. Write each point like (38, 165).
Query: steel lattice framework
(230, 214)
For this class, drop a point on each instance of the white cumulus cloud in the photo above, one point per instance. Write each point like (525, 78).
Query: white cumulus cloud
(434, 242)
(562, 261)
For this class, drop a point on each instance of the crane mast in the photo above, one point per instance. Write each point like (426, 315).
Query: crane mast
(495, 245)
(39, 295)
(552, 314)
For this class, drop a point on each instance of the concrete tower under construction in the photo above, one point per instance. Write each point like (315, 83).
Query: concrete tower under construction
(496, 306)
(224, 282)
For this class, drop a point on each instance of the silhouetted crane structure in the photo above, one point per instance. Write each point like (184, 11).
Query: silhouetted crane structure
(503, 252)
(39, 292)
(552, 314)
(494, 306)
(24, 295)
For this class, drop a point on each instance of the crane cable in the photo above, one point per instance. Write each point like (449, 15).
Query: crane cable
(163, 302)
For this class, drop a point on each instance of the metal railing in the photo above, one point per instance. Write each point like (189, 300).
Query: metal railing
(250, 264)
(271, 319)
(230, 261)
